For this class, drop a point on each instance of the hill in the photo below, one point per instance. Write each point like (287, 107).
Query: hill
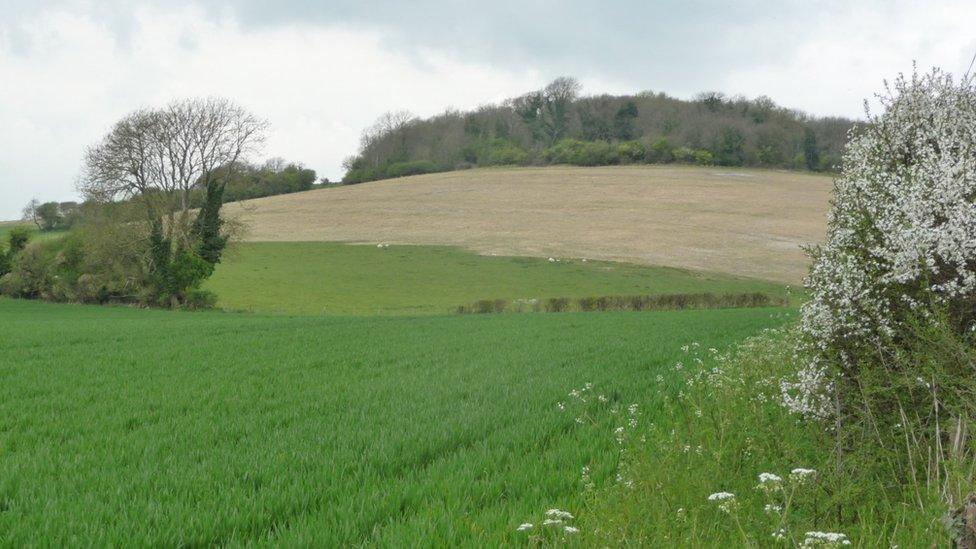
(555, 125)
(735, 221)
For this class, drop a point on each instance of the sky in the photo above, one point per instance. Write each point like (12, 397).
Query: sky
(319, 71)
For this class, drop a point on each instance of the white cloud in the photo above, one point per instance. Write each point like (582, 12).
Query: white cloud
(320, 72)
(317, 85)
(844, 54)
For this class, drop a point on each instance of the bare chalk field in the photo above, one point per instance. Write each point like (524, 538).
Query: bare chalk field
(743, 222)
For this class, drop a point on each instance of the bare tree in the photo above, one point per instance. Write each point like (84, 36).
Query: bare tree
(159, 156)
(387, 130)
(29, 212)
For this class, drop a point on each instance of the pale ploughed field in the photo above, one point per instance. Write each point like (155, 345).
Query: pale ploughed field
(744, 222)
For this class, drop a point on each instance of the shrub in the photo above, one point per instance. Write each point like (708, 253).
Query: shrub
(557, 304)
(361, 175)
(30, 275)
(661, 151)
(197, 299)
(506, 154)
(683, 154)
(703, 158)
(892, 305)
(630, 151)
(415, 167)
(582, 153)
(17, 239)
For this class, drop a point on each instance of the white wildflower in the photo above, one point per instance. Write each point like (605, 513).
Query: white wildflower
(726, 501)
(825, 539)
(801, 475)
(559, 514)
(525, 526)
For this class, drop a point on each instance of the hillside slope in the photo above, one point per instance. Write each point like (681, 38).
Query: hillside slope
(743, 222)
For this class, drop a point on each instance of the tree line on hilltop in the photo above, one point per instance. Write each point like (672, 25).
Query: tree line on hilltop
(556, 125)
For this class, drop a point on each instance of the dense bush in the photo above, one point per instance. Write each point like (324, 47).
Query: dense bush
(244, 181)
(415, 167)
(887, 334)
(504, 153)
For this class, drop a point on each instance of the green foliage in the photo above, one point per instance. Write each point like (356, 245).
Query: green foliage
(811, 152)
(17, 239)
(581, 153)
(630, 151)
(259, 421)
(415, 167)
(661, 151)
(246, 181)
(334, 278)
(207, 228)
(729, 150)
(623, 121)
(703, 158)
(504, 153)
(173, 273)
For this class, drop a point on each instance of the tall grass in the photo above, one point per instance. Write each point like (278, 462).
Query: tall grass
(720, 427)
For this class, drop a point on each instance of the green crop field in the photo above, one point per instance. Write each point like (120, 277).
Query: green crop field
(121, 426)
(315, 277)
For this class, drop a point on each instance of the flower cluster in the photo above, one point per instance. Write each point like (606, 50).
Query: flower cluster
(555, 525)
(825, 539)
(726, 501)
(901, 236)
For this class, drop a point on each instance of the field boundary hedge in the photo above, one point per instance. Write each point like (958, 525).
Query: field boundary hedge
(665, 302)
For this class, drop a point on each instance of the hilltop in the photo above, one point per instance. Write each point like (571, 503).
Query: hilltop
(736, 221)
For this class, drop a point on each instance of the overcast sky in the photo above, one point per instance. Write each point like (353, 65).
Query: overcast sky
(320, 71)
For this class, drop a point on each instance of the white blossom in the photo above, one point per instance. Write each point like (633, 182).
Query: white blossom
(901, 234)
(825, 539)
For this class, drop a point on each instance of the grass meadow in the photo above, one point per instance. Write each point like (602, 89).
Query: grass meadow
(35, 235)
(317, 277)
(121, 426)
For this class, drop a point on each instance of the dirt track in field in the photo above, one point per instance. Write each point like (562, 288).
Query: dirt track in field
(744, 222)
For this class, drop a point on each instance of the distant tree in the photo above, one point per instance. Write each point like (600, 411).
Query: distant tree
(49, 216)
(729, 151)
(711, 100)
(29, 213)
(811, 153)
(16, 242)
(623, 121)
(159, 158)
(558, 97)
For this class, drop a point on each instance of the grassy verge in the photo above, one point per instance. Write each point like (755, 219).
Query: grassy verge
(131, 427)
(719, 428)
(408, 280)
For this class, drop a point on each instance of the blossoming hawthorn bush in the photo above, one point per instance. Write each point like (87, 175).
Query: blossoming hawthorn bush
(885, 342)
(901, 242)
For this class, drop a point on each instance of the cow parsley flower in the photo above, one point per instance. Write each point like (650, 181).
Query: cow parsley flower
(726, 501)
(825, 539)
